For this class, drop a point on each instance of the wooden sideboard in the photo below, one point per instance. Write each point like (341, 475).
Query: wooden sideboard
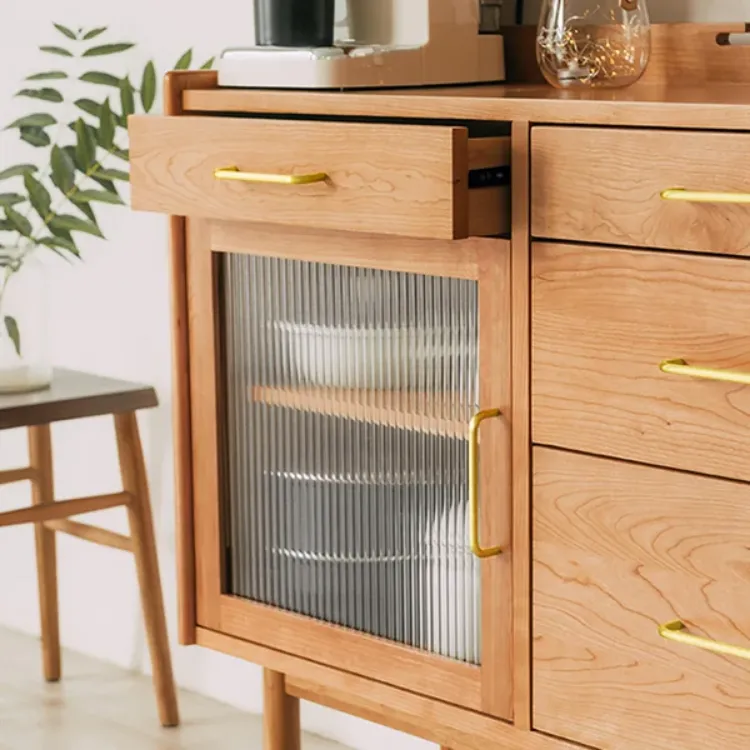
(462, 394)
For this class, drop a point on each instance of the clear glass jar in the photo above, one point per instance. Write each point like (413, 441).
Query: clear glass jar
(24, 351)
(603, 43)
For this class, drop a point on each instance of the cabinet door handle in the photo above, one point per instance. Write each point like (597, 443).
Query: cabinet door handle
(703, 196)
(681, 367)
(234, 174)
(476, 423)
(676, 631)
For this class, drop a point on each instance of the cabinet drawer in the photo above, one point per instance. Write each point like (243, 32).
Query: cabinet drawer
(606, 185)
(605, 320)
(620, 550)
(387, 179)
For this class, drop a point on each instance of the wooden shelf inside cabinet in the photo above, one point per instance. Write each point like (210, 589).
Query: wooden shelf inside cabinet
(379, 407)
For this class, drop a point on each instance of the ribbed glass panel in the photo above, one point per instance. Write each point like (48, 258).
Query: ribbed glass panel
(349, 393)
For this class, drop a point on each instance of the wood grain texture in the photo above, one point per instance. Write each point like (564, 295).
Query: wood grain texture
(390, 179)
(143, 538)
(593, 184)
(43, 497)
(379, 659)
(446, 258)
(202, 322)
(281, 723)
(618, 550)
(382, 703)
(495, 479)
(603, 322)
(175, 83)
(50, 511)
(520, 369)
(89, 533)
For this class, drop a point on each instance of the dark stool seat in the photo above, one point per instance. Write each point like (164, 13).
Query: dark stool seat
(75, 395)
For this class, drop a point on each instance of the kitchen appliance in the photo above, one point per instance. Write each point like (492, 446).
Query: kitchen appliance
(384, 43)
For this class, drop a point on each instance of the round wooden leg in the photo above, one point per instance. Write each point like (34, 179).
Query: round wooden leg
(281, 724)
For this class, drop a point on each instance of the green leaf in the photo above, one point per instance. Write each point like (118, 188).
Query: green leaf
(88, 210)
(89, 106)
(17, 171)
(94, 33)
(85, 144)
(11, 326)
(66, 31)
(148, 86)
(107, 126)
(38, 120)
(98, 77)
(126, 97)
(46, 94)
(111, 174)
(5, 226)
(11, 199)
(100, 196)
(108, 185)
(74, 224)
(71, 152)
(122, 153)
(49, 75)
(208, 64)
(38, 195)
(61, 243)
(20, 223)
(35, 136)
(108, 49)
(63, 169)
(184, 62)
(56, 51)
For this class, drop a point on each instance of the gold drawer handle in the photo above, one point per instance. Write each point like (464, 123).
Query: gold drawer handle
(681, 367)
(676, 631)
(233, 174)
(703, 196)
(476, 423)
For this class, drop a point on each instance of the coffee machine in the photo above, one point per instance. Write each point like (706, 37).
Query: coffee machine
(381, 43)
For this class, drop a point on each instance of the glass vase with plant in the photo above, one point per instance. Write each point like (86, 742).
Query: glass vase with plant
(49, 202)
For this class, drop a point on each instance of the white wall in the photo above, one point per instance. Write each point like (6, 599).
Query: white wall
(111, 316)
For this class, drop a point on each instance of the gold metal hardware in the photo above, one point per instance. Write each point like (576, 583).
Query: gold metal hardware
(476, 423)
(704, 196)
(233, 174)
(681, 367)
(675, 631)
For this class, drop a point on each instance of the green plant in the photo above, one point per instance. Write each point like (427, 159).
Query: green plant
(82, 147)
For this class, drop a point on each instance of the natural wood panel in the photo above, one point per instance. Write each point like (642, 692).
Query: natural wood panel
(377, 658)
(204, 411)
(91, 533)
(605, 319)
(382, 703)
(495, 480)
(175, 82)
(485, 153)
(446, 258)
(407, 409)
(391, 179)
(489, 211)
(520, 422)
(620, 549)
(592, 184)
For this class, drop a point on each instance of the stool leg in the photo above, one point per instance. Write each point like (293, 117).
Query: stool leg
(43, 492)
(135, 482)
(281, 723)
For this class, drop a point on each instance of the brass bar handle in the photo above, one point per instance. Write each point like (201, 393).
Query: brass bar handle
(704, 196)
(233, 174)
(676, 632)
(476, 423)
(681, 367)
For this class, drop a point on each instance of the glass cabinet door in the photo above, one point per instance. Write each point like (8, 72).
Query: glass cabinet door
(343, 396)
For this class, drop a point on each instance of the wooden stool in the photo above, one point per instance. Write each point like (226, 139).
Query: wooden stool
(76, 395)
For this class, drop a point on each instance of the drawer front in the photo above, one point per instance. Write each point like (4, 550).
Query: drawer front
(605, 185)
(605, 320)
(386, 179)
(620, 550)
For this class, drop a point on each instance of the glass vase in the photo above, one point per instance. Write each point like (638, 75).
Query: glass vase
(24, 352)
(593, 43)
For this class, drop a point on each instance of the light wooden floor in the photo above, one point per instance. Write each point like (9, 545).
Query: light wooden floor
(101, 707)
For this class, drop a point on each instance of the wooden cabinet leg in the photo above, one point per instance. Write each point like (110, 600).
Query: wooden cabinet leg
(43, 492)
(281, 724)
(135, 482)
